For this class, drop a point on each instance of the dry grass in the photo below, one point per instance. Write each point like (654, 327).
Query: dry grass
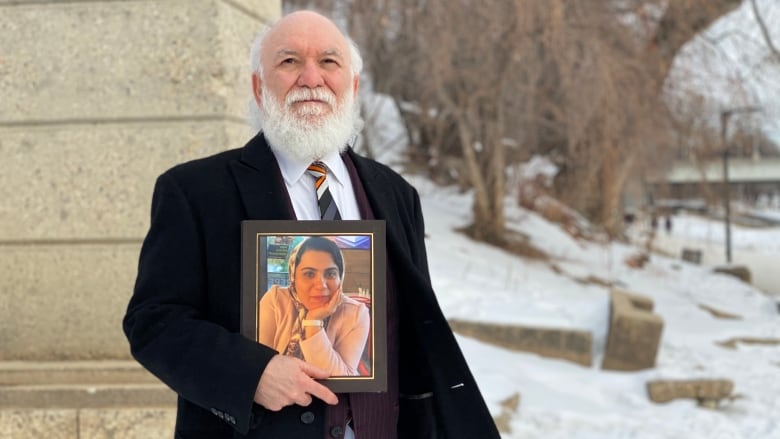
(509, 408)
(719, 314)
(732, 342)
(514, 242)
(593, 280)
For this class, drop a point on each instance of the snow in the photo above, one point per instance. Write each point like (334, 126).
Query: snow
(756, 248)
(559, 399)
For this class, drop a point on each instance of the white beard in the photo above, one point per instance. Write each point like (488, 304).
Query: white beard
(305, 132)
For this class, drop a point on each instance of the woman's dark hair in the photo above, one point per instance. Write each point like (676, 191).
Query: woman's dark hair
(323, 245)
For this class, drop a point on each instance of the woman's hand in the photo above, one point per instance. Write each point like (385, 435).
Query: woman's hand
(326, 310)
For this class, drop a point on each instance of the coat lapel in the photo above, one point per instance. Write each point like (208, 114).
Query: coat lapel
(260, 182)
(377, 191)
(381, 193)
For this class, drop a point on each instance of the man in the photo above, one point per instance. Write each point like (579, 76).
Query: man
(183, 319)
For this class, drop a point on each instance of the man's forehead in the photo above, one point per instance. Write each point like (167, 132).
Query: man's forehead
(291, 51)
(310, 31)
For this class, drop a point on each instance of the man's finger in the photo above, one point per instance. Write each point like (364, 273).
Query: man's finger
(314, 371)
(303, 400)
(322, 392)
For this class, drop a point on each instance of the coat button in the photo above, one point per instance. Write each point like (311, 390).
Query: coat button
(337, 431)
(307, 417)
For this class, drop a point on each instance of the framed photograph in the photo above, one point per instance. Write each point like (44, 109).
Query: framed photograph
(315, 290)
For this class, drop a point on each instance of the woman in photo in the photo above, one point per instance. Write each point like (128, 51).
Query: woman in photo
(311, 319)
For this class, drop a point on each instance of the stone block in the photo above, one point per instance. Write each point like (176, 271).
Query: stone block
(634, 334)
(86, 396)
(702, 390)
(237, 24)
(239, 21)
(68, 182)
(65, 302)
(49, 424)
(21, 373)
(566, 344)
(127, 423)
(113, 60)
(262, 10)
(741, 272)
(100, 390)
(637, 301)
(691, 255)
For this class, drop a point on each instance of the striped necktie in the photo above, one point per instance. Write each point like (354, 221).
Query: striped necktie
(328, 208)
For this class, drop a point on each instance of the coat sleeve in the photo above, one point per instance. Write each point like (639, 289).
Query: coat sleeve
(166, 321)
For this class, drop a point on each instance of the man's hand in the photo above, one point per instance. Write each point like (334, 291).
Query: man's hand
(288, 380)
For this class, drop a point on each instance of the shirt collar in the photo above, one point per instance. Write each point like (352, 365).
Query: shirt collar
(293, 170)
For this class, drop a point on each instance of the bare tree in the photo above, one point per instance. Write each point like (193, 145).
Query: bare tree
(481, 85)
(765, 32)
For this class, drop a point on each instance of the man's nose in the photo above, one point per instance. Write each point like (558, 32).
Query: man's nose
(310, 76)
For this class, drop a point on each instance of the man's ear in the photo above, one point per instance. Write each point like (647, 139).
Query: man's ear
(257, 85)
(355, 85)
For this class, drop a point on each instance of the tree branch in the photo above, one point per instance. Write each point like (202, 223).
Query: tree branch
(765, 31)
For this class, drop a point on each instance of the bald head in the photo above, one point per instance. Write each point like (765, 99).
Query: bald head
(303, 24)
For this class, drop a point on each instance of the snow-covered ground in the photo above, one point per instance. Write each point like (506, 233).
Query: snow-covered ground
(559, 399)
(755, 248)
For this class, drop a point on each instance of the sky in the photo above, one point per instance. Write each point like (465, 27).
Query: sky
(559, 399)
(731, 67)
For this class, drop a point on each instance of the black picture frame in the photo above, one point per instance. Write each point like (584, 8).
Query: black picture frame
(266, 247)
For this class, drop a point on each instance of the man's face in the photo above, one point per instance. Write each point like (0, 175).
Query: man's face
(306, 95)
(306, 68)
(316, 279)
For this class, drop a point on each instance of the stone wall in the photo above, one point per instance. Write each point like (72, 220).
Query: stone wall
(98, 98)
(107, 423)
(566, 344)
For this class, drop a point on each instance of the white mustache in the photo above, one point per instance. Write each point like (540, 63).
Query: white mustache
(310, 94)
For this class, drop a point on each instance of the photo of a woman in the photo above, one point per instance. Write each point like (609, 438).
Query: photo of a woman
(311, 318)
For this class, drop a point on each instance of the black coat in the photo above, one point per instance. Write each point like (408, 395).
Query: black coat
(183, 319)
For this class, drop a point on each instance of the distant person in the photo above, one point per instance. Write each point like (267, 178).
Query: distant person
(668, 223)
(183, 320)
(311, 319)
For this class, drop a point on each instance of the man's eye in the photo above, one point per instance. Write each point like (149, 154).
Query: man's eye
(288, 61)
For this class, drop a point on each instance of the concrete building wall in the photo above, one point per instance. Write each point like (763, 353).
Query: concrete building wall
(97, 98)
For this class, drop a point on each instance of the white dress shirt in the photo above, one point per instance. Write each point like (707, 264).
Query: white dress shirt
(300, 186)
